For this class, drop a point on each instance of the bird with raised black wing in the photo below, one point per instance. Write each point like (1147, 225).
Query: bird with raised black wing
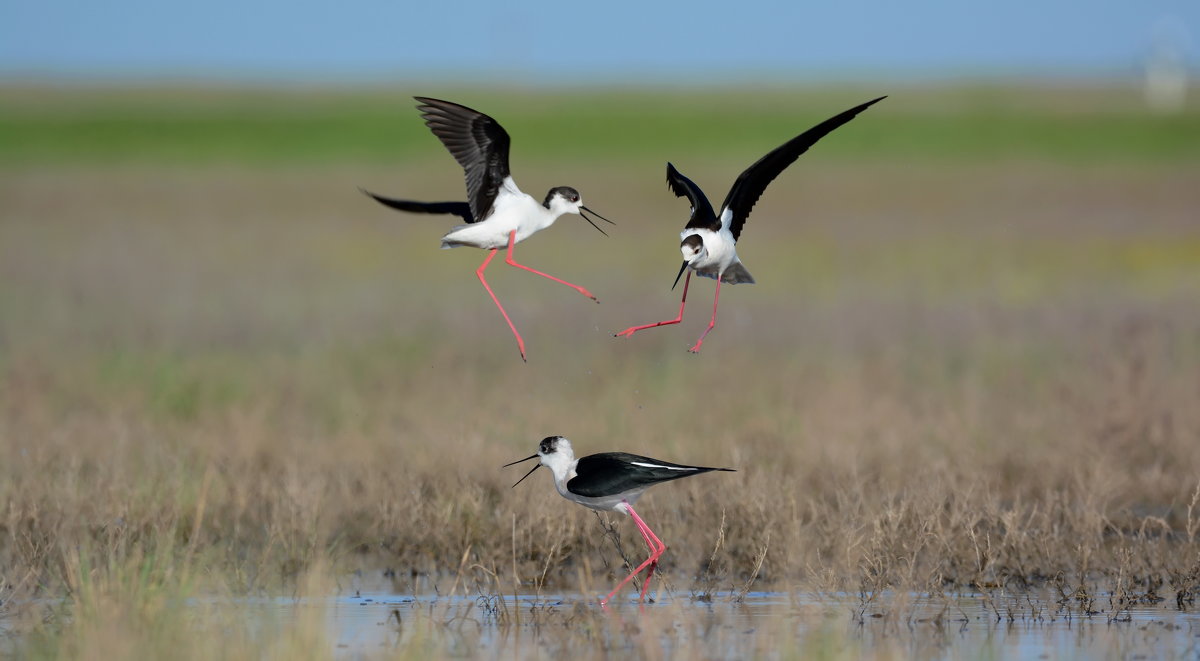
(496, 213)
(708, 241)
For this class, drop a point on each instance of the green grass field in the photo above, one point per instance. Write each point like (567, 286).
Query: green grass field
(315, 129)
(971, 361)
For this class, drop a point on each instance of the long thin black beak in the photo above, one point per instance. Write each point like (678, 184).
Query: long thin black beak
(519, 461)
(583, 208)
(526, 475)
(677, 277)
(530, 470)
(596, 215)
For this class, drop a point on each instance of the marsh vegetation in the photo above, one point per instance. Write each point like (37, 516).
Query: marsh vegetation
(969, 365)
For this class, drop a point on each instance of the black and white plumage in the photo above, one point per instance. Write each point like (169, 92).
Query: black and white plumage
(496, 213)
(495, 207)
(708, 241)
(610, 481)
(713, 256)
(606, 481)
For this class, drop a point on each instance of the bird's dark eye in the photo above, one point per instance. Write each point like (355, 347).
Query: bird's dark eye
(574, 198)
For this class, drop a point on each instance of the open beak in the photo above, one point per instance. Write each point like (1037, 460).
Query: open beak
(523, 460)
(583, 208)
(680, 275)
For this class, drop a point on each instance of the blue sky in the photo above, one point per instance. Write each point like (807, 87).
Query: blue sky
(580, 42)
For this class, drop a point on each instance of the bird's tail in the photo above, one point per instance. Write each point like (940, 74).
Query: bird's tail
(451, 241)
(460, 209)
(736, 275)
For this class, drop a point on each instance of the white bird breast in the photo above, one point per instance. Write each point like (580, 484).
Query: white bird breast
(719, 251)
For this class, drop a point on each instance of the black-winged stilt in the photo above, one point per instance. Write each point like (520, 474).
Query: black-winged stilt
(610, 481)
(709, 239)
(497, 213)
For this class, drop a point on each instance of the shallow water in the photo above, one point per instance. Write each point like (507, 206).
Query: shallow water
(762, 625)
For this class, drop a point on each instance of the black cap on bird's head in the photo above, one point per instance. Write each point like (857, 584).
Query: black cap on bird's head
(571, 197)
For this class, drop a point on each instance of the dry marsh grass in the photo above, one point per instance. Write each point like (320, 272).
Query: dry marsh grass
(224, 382)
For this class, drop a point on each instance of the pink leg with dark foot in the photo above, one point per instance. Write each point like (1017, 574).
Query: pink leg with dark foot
(479, 273)
(713, 322)
(512, 239)
(628, 332)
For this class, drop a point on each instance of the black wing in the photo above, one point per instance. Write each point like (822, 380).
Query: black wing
(702, 211)
(751, 183)
(477, 142)
(460, 209)
(611, 473)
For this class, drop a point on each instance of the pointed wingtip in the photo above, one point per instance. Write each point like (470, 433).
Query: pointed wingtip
(378, 198)
(371, 195)
(428, 105)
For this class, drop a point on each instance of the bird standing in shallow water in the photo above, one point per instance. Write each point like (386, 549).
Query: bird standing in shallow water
(610, 481)
(709, 239)
(497, 213)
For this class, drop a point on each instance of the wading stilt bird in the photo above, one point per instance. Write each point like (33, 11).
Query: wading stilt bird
(709, 239)
(496, 212)
(610, 481)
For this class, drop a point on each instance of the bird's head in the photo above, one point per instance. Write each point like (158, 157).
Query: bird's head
(692, 247)
(555, 453)
(564, 199)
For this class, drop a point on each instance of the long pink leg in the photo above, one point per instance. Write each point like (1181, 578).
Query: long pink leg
(655, 553)
(649, 571)
(696, 348)
(652, 541)
(512, 239)
(479, 273)
(628, 332)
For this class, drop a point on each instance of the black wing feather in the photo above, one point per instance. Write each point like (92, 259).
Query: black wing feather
(608, 473)
(702, 211)
(751, 183)
(460, 209)
(477, 142)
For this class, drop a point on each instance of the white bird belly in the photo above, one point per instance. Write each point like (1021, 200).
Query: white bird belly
(719, 249)
(511, 212)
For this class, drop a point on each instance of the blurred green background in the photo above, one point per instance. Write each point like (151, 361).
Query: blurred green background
(223, 224)
(1080, 124)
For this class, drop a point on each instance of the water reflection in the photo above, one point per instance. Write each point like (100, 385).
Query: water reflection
(762, 624)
